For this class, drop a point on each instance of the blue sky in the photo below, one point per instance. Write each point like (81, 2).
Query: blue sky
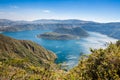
(91, 10)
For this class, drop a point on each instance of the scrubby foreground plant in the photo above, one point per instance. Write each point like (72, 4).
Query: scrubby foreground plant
(102, 64)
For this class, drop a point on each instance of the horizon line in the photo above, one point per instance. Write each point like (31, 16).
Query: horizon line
(60, 19)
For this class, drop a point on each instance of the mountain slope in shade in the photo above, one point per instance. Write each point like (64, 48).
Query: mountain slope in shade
(78, 31)
(35, 54)
(109, 29)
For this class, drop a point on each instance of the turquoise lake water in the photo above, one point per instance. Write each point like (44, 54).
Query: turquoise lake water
(68, 51)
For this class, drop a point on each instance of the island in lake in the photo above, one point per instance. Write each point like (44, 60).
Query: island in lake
(64, 34)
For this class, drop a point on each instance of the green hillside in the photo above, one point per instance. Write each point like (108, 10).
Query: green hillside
(25, 60)
(12, 48)
(102, 64)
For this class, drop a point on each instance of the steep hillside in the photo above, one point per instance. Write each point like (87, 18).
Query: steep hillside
(25, 60)
(12, 48)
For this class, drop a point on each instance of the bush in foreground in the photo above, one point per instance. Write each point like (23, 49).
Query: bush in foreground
(102, 64)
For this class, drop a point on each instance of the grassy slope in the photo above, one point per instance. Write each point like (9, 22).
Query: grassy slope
(100, 65)
(12, 48)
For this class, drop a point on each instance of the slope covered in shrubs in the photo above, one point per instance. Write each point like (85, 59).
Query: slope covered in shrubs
(11, 48)
(101, 64)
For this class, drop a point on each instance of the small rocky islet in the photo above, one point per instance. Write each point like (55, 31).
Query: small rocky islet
(64, 34)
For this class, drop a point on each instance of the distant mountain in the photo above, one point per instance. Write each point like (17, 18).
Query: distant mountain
(5, 22)
(78, 31)
(69, 21)
(32, 25)
(21, 49)
(110, 29)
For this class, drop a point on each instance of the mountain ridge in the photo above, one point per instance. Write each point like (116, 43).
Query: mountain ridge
(111, 29)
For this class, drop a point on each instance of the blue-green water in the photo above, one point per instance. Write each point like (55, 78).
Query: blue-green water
(67, 51)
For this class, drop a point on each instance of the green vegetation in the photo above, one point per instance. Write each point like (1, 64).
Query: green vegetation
(35, 54)
(25, 64)
(19, 69)
(56, 36)
(102, 64)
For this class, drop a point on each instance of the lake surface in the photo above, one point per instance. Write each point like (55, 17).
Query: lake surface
(68, 51)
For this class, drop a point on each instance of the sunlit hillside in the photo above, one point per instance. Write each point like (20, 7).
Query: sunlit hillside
(102, 64)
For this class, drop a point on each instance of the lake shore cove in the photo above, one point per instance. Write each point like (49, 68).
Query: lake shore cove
(101, 64)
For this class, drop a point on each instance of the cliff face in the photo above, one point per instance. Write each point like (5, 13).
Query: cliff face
(35, 54)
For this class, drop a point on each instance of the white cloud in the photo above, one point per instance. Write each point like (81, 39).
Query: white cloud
(46, 11)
